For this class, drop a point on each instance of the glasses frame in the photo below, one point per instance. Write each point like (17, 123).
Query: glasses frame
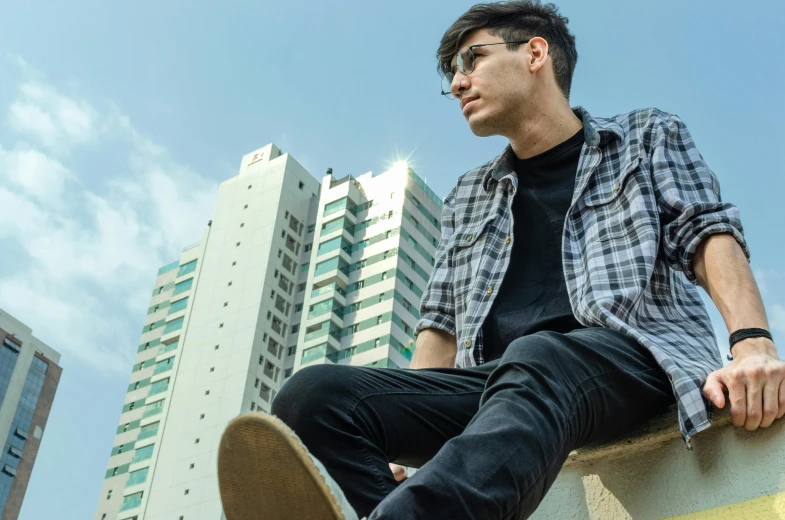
(470, 49)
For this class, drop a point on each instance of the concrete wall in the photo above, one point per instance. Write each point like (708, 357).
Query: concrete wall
(731, 473)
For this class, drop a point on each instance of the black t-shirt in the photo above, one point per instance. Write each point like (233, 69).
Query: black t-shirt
(533, 294)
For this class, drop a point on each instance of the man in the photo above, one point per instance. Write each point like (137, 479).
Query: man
(559, 313)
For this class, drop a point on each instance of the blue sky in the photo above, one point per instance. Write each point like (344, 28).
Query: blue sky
(118, 121)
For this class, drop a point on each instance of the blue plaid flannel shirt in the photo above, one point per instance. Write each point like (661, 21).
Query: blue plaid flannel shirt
(644, 200)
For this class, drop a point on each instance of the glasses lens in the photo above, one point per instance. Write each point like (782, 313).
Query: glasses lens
(447, 85)
(465, 61)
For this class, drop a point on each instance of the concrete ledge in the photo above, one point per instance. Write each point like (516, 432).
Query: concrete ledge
(730, 473)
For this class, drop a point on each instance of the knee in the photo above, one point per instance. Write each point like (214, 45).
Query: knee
(305, 398)
(540, 348)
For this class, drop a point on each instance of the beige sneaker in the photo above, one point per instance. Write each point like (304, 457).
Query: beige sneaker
(265, 472)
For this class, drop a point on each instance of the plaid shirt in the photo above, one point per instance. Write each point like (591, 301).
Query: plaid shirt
(644, 200)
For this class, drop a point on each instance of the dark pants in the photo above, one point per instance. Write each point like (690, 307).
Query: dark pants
(494, 437)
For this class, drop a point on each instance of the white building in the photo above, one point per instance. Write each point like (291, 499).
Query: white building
(29, 376)
(289, 272)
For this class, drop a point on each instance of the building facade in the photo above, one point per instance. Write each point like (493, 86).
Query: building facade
(29, 375)
(290, 272)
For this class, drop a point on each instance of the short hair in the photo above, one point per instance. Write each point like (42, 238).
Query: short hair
(513, 21)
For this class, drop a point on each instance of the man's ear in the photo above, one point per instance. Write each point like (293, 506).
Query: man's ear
(538, 53)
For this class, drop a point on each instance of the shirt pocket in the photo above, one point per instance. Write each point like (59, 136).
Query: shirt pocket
(623, 207)
(467, 251)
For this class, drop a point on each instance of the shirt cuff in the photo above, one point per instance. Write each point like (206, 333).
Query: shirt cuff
(435, 320)
(697, 240)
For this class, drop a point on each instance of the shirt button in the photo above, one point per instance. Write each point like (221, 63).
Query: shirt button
(507, 240)
(468, 343)
(616, 189)
(469, 238)
(490, 289)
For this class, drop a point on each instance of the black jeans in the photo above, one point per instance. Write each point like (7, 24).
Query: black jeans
(494, 437)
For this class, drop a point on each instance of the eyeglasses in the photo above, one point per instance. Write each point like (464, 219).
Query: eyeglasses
(464, 62)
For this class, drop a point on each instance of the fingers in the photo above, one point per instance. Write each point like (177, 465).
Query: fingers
(754, 405)
(399, 472)
(714, 390)
(737, 395)
(781, 413)
(771, 405)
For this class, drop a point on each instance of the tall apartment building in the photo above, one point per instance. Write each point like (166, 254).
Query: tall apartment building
(289, 272)
(29, 375)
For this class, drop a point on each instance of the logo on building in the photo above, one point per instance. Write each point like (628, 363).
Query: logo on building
(258, 156)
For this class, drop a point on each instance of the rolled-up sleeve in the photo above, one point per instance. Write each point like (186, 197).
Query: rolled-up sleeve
(437, 307)
(688, 196)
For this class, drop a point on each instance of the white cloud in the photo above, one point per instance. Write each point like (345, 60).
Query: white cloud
(54, 120)
(89, 251)
(36, 174)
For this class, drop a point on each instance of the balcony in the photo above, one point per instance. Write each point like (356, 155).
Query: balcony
(131, 501)
(274, 348)
(281, 305)
(325, 351)
(328, 288)
(265, 393)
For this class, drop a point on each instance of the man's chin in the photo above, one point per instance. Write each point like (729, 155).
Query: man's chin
(479, 127)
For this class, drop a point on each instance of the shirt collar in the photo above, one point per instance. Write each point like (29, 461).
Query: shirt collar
(597, 132)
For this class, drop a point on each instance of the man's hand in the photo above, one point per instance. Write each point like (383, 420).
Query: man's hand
(755, 383)
(399, 472)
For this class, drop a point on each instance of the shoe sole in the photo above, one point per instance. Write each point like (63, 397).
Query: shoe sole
(265, 472)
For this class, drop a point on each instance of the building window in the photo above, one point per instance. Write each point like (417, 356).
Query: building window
(234, 263)
(212, 369)
(249, 186)
(196, 441)
(287, 372)
(229, 284)
(245, 207)
(301, 185)
(192, 466)
(201, 417)
(286, 214)
(207, 392)
(290, 351)
(242, 224)
(109, 494)
(237, 245)
(186, 492)
(226, 304)
(216, 347)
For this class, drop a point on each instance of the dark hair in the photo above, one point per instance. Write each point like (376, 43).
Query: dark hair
(512, 21)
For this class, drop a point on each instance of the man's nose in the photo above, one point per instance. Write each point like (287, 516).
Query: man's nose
(457, 86)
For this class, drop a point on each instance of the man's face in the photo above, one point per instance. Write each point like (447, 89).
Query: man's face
(493, 94)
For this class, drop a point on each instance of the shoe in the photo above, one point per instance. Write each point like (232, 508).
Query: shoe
(266, 472)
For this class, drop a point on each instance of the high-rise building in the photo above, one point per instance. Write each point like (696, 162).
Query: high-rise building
(29, 375)
(289, 272)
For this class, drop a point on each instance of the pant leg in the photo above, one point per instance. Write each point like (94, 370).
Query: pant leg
(355, 420)
(549, 394)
